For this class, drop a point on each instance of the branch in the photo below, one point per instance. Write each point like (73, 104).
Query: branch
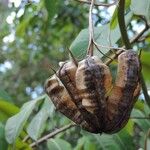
(133, 40)
(122, 26)
(91, 31)
(145, 91)
(52, 134)
(98, 3)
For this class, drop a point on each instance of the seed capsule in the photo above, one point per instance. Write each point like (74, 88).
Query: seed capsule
(93, 78)
(67, 76)
(63, 102)
(124, 92)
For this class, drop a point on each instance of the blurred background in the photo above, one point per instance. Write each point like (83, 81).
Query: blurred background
(34, 35)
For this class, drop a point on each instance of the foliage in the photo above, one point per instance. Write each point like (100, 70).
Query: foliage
(34, 38)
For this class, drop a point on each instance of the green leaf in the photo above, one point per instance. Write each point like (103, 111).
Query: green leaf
(125, 137)
(3, 143)
(141, 7)
(101, 34)
(51, 7)
(88, 145)
(5, 96)
(21, 28)
(7, 109)
(107, 142)
(85, 143)
(16, 123)
(129, 128)
(58, 144)
(147, 110)
(114, 19)
(19, 145)
(144, 124)
(80, 143)
(38, 123)
(139, 105)
(146, 65)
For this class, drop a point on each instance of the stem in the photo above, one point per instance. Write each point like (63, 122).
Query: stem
(122, 26)
(91, 31)
(145, 91)
(133, 40)
(52, 134)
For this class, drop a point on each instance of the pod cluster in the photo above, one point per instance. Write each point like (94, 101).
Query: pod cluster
(84, 92)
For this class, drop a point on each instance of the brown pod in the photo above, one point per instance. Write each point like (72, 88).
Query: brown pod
(63, 102)
(67, 76)
(93, 78)
(124, 92)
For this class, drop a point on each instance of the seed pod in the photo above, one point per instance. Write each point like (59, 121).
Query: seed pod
(124, 92)
(67, 76)
(63, 102)
(93, 78)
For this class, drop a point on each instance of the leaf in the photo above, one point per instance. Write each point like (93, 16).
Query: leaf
(58, 144)
(88, 145)
(19, 145)
(85, 143)
(38, 123)
(80, 44)
(125, 140)
(4, 95)
(80, 143)
(146, 65)
(114, 19)
(3, 143)
(107, 142)
(21, 28)
(51, 7)
(15, 124)
(129, 128)
(144, 124)
(139, 105)
(141, 8)
(7, 109)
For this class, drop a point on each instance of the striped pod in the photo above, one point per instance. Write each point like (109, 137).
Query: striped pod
(67, 76)
(83, 92)
(126, 89)
(64, 103)
(92, 83)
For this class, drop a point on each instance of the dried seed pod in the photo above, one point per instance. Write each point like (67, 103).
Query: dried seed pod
(67, 76)
(93, 78)
(126, 88)
(62, 101)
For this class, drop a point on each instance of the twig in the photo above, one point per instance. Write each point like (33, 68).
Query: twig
(91, 31)
(98, 3)
(92, 41)
(52, 134)
(145, 91)
(133, 40)
(110, 47)
(122, 26)
(26, 138)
